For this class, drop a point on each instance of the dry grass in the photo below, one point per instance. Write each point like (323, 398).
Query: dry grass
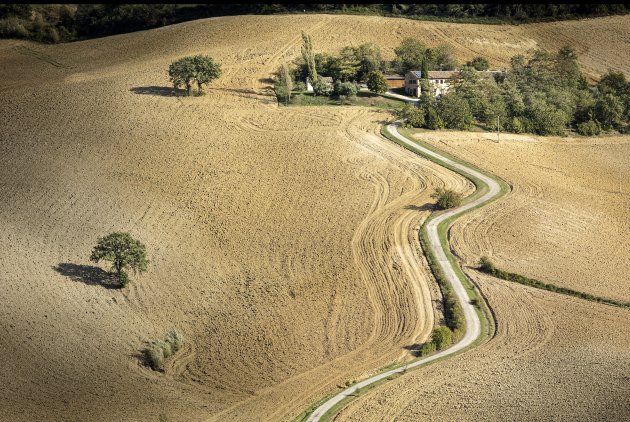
(282, 241)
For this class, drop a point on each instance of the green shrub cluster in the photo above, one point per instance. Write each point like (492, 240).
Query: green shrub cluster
(441, 338)
(158, 350)
(453, 312)
(485, 265)
(447, 198)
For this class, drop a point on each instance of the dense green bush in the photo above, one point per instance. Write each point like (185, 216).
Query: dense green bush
(411, 115)
(376, 82)
(589, 128)
(486, 265)
(455, 111)
(347, 89)
(321, 88)
(447, 198)
(432, 119)
(442, 337)
(427, 348)
(13, 27)
(479, 63)
(158, 350)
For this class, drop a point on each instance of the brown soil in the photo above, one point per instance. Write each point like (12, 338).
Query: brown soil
(552, 358)
(282, 241)
(565, 222)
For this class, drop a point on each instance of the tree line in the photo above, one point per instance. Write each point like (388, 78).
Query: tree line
(59, 23)
(545, 94)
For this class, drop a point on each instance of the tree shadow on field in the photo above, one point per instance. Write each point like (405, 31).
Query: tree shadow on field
(88, 274)
(424, 207)
(414, 349)
(160, 91)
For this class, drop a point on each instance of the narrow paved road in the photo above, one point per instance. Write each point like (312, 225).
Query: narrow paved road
(473, 325)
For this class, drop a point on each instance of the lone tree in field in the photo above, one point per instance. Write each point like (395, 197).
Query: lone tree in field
(206, 70)
(123, 252)
(200, 69)
(376, 82)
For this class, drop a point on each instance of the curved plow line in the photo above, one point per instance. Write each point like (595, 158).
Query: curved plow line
(435, 229)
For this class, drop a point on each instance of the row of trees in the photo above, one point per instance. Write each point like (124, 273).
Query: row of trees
(54, 22)
(544, 95)
(354, 64)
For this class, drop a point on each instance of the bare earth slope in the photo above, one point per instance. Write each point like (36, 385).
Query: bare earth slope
(281, 241)
(565, 222)
(552, 358)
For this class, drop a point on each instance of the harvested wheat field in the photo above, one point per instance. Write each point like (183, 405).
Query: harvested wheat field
(282, 241)
(552, 357)
(565, 222)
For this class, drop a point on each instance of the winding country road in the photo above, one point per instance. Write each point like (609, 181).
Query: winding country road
(473, 325)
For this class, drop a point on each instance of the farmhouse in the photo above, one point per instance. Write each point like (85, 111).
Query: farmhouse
(439, 81)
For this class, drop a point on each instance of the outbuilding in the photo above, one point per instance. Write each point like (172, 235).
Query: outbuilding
(395, 81)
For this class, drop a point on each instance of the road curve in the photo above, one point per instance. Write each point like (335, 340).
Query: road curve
(473, 325)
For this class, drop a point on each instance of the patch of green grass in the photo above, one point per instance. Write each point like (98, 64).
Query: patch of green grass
(363, 98)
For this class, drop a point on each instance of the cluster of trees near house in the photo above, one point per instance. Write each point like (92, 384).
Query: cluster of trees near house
(355, 65)
(55, 22)
(545, 94)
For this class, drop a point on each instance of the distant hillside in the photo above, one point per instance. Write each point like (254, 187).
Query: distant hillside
(52, 23)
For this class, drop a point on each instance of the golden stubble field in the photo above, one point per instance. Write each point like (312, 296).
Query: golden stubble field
(551, 357)
(567, 219)
(282, 241)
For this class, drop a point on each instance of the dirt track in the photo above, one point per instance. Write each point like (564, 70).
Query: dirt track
(280, 239)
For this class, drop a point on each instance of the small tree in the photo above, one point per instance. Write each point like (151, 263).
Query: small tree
(608, 111)
(479, 63)
(376, 82)
(486, 265)
(347, 89)
(320, 87)
(446, 198)
(206, 70)
(182, 72)
(409, 55)
(284, 84)
(123, 252)
(309, 56)
(199, 68)
(454, 111)
(412, 115)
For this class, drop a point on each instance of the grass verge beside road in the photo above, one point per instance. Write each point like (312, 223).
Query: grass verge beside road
(475, 296)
